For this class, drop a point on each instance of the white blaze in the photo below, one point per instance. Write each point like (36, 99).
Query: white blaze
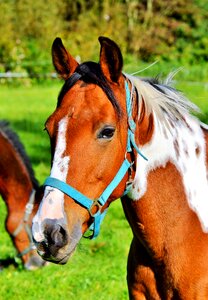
(52, 204)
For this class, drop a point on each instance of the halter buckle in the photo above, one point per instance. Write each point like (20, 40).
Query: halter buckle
(98, 206)
(29, 208)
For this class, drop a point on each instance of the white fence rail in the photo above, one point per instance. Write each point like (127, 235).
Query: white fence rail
(9, 75)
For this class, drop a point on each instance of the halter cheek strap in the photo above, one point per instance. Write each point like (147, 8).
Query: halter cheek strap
(24, 225)
(88, 203)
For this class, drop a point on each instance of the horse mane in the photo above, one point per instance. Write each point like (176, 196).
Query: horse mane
(158, 97)
(15, 141)
(167, 103)
(90, 72)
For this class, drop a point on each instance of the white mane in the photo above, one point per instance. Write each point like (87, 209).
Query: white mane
(162, 99)
(177, 138)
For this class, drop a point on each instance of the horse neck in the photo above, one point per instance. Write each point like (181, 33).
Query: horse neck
(15, 182)
(179, 146)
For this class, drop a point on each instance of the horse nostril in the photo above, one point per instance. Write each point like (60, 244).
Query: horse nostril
(42, 247)
(55, 234)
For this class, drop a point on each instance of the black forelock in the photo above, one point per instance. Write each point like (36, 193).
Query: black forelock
(90, 72)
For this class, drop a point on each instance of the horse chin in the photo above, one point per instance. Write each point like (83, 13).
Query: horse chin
(60, 259)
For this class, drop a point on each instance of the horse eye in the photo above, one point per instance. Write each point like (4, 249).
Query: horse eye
(106, 133)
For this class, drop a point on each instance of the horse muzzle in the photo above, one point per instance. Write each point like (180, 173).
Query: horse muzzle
(54, 243)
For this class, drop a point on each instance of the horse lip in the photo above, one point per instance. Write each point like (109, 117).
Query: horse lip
(57, 260)
(64, 260)
(54, 260)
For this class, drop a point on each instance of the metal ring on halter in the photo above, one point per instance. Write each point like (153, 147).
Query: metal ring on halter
(97, 205)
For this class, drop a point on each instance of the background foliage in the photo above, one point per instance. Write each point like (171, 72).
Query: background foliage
(174, 31)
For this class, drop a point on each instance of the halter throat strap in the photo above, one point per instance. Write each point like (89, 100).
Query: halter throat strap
(97, 204)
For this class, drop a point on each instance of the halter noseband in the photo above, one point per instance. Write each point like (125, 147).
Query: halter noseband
(88, 203)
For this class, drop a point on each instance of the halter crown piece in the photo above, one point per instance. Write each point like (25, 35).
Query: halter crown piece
(98, 203)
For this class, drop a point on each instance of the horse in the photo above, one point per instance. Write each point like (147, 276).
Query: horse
(115, 135)
(21, 192)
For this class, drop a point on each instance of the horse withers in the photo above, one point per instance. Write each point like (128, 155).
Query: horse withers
(116, 135)
(21, 192)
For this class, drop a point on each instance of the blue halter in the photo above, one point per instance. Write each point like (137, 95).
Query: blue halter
(88, 203)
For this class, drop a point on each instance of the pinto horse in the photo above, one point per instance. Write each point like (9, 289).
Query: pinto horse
(21, 193)
(114, 135)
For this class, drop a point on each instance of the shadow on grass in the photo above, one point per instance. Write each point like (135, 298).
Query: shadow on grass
(204, 117)
(7, 262)
(28, 126)
(41, 153)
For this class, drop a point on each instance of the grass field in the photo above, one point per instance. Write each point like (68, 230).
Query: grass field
(98, 268)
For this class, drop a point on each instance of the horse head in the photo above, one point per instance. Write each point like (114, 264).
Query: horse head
(88, 134)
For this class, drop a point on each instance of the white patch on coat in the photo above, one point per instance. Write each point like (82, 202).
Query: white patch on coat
(191, 165)
(52, 204)
(178, 138)
(158, 152)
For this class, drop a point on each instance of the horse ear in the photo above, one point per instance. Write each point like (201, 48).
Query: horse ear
(111, 60)
(64, 63)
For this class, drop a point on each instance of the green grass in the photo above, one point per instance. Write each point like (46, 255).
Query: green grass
(27, 109)
(98, 268)
(96, 271)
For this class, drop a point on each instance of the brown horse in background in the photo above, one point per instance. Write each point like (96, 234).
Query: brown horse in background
(116, 135)
(21, 193)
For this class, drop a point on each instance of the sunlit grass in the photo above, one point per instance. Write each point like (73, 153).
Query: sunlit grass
(27, 109)
(96, 271)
